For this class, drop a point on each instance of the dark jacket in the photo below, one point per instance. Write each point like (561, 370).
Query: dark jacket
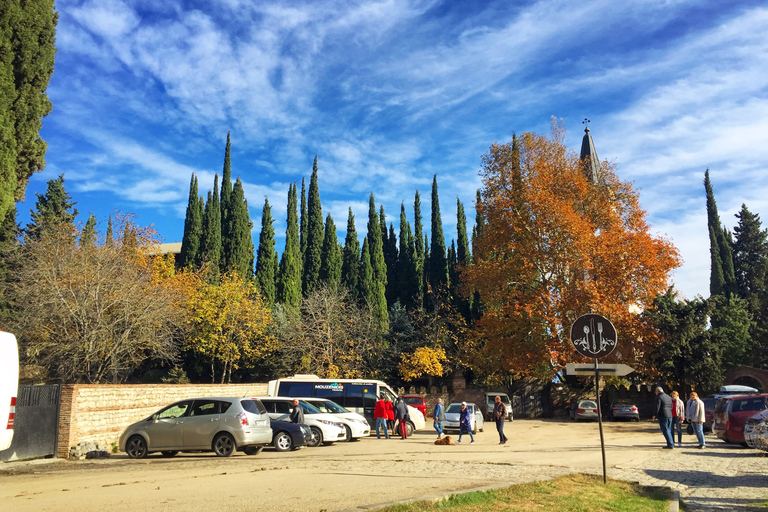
(663, 406)
(401, 410)
(499, 411)
(297, 415)
(465, 421)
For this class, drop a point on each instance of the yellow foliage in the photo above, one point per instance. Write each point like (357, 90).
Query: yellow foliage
(423, 361)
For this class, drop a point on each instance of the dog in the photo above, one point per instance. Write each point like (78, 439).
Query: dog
(445, 440)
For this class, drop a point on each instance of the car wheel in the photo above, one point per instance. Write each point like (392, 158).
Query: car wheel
(223, 445)
(170, 453)
(283, 442)
(317, 437)
(136, 447)
(409, 429)
(252, 450)
(349, 434)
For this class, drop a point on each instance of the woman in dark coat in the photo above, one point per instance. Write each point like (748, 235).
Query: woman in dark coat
(465, 423)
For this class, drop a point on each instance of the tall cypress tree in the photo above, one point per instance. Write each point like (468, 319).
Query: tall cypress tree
(53, 210)
(438, 266)
(366, 283)
(330, 260)
(407, 280)
(289, 278)
(419, 255)
(378, 299)
(238, 246)
(109, 239)
(389, 248)
(304, 218)
(210, 243)
(266, 270)
(88, 235)
(225, 206)
(452, 262)
(350, 258)
(462, 245)
(722, 278)
(312, 254)
(193, 227)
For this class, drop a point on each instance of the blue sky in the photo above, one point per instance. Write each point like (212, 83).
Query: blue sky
(389, 93)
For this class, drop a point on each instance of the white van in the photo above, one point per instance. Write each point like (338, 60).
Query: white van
(355, 424)
(9, 386)
(357, 395)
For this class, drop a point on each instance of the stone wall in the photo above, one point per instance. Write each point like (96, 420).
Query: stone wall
(100, 412)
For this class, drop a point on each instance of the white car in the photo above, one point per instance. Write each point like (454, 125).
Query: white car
(452, 413)
(355, 424)
(326, 428)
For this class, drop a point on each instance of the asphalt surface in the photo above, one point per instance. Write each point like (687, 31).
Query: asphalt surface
(370, 472)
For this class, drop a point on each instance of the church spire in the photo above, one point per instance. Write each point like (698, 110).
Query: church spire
(589, 156)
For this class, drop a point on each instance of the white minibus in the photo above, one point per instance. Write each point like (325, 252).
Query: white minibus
(357, 395)
(9, 387)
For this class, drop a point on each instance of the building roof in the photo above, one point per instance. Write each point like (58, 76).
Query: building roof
(589, 158)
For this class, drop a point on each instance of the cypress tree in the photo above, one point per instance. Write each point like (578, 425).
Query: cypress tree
(330, 260)
(303, 220)
(438, 266)
(109, 239)
(314, 249)
(750, 254)
(462, 246)
(210, 243)
(88, 235)
(27, 51)
(193, 228)
(266, 270)
(366, 284)
(407, 281)
(378, 299)
(722, 278)
(389, 248)
(289, 278)
(419, 255)
(350, 258)
(238, 246)
(452, 271)
(225, 206)
(53, 210)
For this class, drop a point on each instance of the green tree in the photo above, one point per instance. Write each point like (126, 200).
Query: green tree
(730, 321)
(330, 258)
(109, 238)
(438, 266)
(27, 51)
(193, 228)
(366, 286)
(463, 260)
(289, 277)
(238, 245)
(210, 243)
(315, 235)
(377, 295)
(419, 248)
(389, 248)
(266, 269)
(53, 211)
(407, 279)
(350, 258)
(722, 276)
(88, 235)
(225, 204)
(303, 221)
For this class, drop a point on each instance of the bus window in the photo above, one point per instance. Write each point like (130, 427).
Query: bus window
(360, 396)
(295, 389)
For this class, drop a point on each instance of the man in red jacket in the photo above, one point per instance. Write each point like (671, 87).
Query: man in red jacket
(380, 415)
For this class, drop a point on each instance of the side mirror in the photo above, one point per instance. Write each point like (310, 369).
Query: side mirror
(154, 418)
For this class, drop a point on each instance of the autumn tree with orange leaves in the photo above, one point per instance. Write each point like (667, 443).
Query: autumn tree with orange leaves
(551, 247)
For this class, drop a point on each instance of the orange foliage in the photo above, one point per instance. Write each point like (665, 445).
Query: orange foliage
(554, 247)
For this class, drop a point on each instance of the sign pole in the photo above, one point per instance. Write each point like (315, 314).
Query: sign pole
(600, 417)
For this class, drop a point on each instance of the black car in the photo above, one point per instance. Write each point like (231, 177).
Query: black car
(287, 435)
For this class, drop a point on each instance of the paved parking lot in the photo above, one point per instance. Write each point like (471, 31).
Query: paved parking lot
(370, 472)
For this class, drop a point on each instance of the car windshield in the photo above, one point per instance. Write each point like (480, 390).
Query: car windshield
(309, 409)
(454, 408)
(414, 400)
(328, 406)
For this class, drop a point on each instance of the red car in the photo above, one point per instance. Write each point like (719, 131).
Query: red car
(732, 413)
(418, 402)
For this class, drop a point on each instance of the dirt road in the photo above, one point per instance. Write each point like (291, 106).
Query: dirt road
(342, 476)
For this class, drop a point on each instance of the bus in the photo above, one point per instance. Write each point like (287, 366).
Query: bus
(9, 387)
(357, 395)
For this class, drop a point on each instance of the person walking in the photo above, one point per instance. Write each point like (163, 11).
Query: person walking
(465, 423)
(439, 416)
(499, 415)
(401, 417)
(695, 415)
(390, 408)
(663, 412)
(297, 414)
(380, 415)
(678, 414)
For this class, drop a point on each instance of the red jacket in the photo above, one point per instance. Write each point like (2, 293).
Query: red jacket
(390, 410)
(380, 411)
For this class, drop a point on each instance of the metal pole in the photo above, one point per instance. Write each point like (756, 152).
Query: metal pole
(600, 417)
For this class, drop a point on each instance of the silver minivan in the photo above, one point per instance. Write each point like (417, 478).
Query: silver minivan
(220, 425)
(490, 402)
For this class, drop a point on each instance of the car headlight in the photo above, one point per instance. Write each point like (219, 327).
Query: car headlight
(327, 422)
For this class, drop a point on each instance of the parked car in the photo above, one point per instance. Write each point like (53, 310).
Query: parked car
(416, 401)
(583, 410)
(709, 412)
(490, 403)
(624, 410)
(355, 424)
(287, 435)
(326, 429)
(732, 412)
(451, 423)
(221, 425)
(756, 431)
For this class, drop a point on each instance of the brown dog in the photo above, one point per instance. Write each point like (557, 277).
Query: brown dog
(445, 440)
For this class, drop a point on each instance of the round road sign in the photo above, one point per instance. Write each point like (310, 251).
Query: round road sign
(593, 336)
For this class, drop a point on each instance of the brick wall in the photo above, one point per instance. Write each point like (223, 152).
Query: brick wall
(100, 412)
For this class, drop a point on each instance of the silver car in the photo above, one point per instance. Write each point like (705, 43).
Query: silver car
(452, 420)
(221, 425)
